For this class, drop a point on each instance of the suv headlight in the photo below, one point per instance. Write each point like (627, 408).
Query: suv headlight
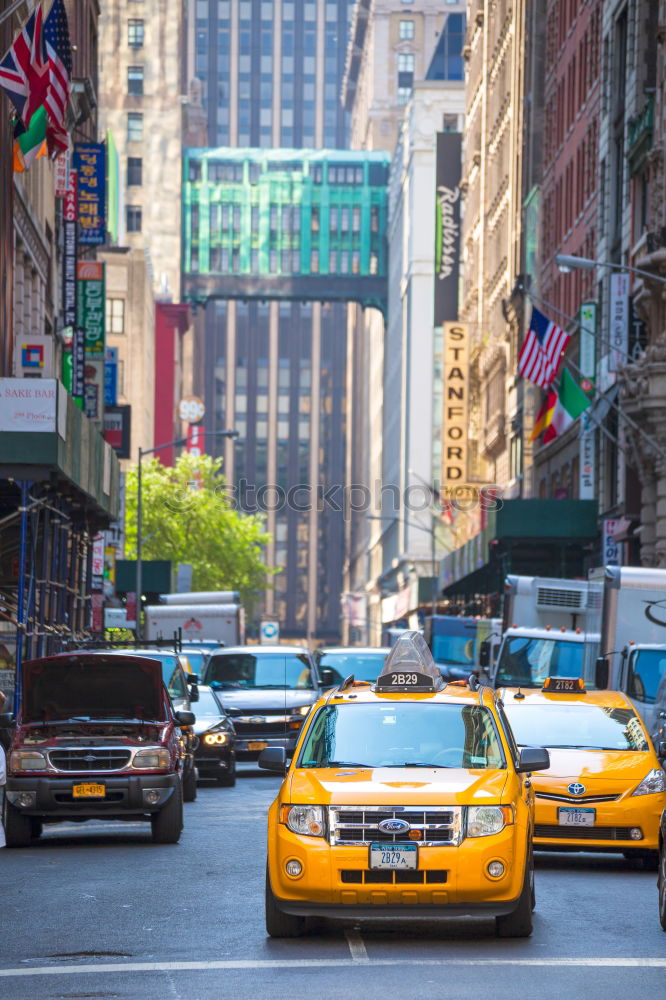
(654, 781)
(215, 737)
(483, 821)
(307, 820)
(27, 760)
(151, 758)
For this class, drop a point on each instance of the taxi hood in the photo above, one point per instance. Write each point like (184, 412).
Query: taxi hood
(385, 786)
(595, 765)
(91, 687)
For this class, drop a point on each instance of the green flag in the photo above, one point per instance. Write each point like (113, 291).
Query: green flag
(571, 402)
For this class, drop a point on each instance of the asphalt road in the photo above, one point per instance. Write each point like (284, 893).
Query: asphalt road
(98, 911)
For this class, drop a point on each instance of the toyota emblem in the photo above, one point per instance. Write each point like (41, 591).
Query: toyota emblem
(575, 788)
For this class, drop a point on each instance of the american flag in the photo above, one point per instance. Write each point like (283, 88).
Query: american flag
(59, 53)
(542, 350)
(24, 71)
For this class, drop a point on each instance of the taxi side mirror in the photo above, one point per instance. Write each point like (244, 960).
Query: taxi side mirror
(273, 759)
(326, 677)
(533, 759)
(661, 750)
(601, 672)
(484, 653)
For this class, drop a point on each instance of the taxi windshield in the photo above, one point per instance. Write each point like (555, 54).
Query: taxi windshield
(527, 661)
(582, 726)
(402, 735)
(259, 670)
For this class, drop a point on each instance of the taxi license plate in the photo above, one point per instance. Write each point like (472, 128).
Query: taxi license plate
(576, 817)
(88, 791)
(399, 857)
(256, 745)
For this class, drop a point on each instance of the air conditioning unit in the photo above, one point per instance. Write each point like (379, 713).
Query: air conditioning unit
(570, 598)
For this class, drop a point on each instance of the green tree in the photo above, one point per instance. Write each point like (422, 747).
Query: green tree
(188, 517)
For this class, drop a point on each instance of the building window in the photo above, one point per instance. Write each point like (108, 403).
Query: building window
(404, 94)
(135, 33)
(406, 30)
(134, 171)
(115, 315)
(406, 62)
(133, 218)
(134, 126)
(135, 81)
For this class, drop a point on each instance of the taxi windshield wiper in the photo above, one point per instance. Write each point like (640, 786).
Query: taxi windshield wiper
(420, 763)
(337, 763)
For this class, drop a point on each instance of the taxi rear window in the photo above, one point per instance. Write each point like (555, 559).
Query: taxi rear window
(402, 735)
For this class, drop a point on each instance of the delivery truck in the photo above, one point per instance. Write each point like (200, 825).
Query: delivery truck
(213, 616)
(455, 642)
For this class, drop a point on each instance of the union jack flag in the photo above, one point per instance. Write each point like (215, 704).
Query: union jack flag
(59, 53)
(542, 350)
(24, 70)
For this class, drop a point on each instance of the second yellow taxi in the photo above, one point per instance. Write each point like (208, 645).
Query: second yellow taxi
(406, 798)
(606, 787)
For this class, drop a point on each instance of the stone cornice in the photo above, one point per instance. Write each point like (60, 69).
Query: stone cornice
(27, 227)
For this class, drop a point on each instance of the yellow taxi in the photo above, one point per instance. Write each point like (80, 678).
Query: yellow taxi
(404, 798)
(605, 788)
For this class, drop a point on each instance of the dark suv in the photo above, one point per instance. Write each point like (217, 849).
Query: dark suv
(96, 737)
(267, 692)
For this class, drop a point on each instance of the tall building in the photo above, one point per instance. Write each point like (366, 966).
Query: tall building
(270, 73)
(394, 51)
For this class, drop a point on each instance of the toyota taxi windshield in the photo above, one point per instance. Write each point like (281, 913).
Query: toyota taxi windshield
(584, 726)
(259, 670)
(526, 661)
(402, 735)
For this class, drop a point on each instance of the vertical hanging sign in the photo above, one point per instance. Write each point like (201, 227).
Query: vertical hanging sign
(456, 406)
(619, 321)
(90, 164)
(70, 213)
(447, 226)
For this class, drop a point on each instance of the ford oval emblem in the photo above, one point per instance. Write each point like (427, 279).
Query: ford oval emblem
(575, 788)
(393, 826)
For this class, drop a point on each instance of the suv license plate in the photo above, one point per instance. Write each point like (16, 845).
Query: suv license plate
(400, 857)
(88, 791)
(576, 817)
(256, 745)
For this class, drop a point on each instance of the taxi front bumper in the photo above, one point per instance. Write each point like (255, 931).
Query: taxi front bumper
(613, 823)
(449, 880)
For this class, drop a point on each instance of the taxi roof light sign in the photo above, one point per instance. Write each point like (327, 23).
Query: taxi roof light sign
(410, 667)
(564, 685)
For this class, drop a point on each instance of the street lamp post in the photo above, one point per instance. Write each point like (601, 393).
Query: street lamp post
(139, 510)
(570, 262)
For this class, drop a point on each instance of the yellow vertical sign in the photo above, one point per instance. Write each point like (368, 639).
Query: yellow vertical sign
(456, 408)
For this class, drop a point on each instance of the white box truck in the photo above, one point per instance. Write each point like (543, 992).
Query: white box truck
(631, 617)
(549, 630)
(216, 616)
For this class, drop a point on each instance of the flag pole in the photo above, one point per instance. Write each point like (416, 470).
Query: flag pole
(661, 452)
(10, 10)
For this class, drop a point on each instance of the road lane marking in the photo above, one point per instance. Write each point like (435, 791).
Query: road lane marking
(357, 947)
(314, 963)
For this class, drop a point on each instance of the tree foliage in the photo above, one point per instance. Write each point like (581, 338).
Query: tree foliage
(188, 517)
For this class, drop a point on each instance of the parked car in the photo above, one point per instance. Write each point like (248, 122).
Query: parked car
(267, 691)
(96, 737)
(215, 756)
(364, 662)
(182, 686)
(661, 879)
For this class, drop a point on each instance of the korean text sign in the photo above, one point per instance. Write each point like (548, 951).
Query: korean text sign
(90, 166)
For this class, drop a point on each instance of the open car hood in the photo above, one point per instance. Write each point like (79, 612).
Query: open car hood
(91, 687)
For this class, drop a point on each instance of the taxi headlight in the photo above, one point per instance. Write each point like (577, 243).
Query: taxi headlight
(483, 821)
(151, 758)
(307, 820)
(654, 781)
(27, 760)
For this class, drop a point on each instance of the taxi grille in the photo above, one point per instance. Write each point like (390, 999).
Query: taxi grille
(90, 759)
(368, 877)
(359, 825)
(576, 799)
(549, 832)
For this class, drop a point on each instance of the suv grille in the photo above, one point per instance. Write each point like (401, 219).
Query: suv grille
(369, 877)
(358, 825)
(90, 759)
(576, 799)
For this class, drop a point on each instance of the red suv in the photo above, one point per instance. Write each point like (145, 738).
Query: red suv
(95, 738)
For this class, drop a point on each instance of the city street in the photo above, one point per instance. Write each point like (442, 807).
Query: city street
(98, 911)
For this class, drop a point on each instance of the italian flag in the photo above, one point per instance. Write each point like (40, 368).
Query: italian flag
(571, 402)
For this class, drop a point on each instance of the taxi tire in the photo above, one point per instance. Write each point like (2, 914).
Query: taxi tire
(18, 827)
(661, 883)
(518, 923)
(279, 924)
(167, 824)
(190, 785)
